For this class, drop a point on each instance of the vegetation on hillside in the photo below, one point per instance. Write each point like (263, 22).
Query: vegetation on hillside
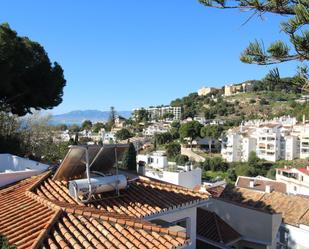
(269, 97)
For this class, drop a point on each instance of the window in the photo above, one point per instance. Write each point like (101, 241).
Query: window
(302, 178)
(295, 188)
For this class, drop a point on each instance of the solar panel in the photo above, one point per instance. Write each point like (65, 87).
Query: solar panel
(101, 159)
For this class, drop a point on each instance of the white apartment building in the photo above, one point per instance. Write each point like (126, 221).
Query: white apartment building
(156, 113)
(296, 180)
(303, 133)
(231, 147)
(268, 142)
(272, 140)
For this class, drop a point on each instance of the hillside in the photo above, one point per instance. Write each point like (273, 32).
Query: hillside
(266, 99)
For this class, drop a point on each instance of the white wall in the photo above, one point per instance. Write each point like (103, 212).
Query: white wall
(297, 237)
(158, 161)
(16, 163)
(189, 213)
(188, 179)
(253, 225)
(14, 168)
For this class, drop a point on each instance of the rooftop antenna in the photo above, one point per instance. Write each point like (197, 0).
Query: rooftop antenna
(103, 136)
(116, 159)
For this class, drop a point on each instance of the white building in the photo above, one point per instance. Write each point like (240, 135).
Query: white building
(156, 160)
(268, 142)
(272, 140)
(205, 90)
(155, 129)
(237, 147)
(303, 131)
(157, 113)
(296, 180)
(157, 167)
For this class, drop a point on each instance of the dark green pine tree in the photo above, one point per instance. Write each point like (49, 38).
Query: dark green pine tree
(28, 79)
(129, 158)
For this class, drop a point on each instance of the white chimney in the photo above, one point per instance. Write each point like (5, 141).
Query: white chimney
(268, 189)
(251, 184)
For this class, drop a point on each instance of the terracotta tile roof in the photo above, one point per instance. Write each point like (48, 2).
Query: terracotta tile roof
(22, 219)
(260, 184)
(142, 198)
(212, 227)
(294, 209)
(216, 191)
(39, 213)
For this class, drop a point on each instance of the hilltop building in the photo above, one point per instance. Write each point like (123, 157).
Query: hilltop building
(205, 90)
(233, 89)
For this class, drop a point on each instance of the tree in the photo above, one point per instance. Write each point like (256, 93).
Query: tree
(29, 81)
(175, 125)
(112, 117)
(253, 159)
(129, 158)
(62, 127)
(96, 127)
(172, 150)
(87, 125)
(181, 160)
(168, 115)
(190, 130)
(123, 134)
(294, 27)
(231, 174)
(211, 132)
(214, 164)
(163, 138)
(74, 128)
(142, 115)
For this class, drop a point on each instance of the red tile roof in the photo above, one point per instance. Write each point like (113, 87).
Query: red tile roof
(304, 170)
(215, 191)
(212, 227)
(142, 198)
(39, 213)
(260, 184)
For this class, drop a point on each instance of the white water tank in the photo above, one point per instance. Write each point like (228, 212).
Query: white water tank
(98, 185)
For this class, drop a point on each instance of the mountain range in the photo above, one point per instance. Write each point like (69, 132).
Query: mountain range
(78, 116)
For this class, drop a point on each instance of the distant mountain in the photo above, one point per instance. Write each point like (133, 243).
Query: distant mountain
(78, 116)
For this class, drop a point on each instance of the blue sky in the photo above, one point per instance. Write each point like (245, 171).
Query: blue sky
(132, 53)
